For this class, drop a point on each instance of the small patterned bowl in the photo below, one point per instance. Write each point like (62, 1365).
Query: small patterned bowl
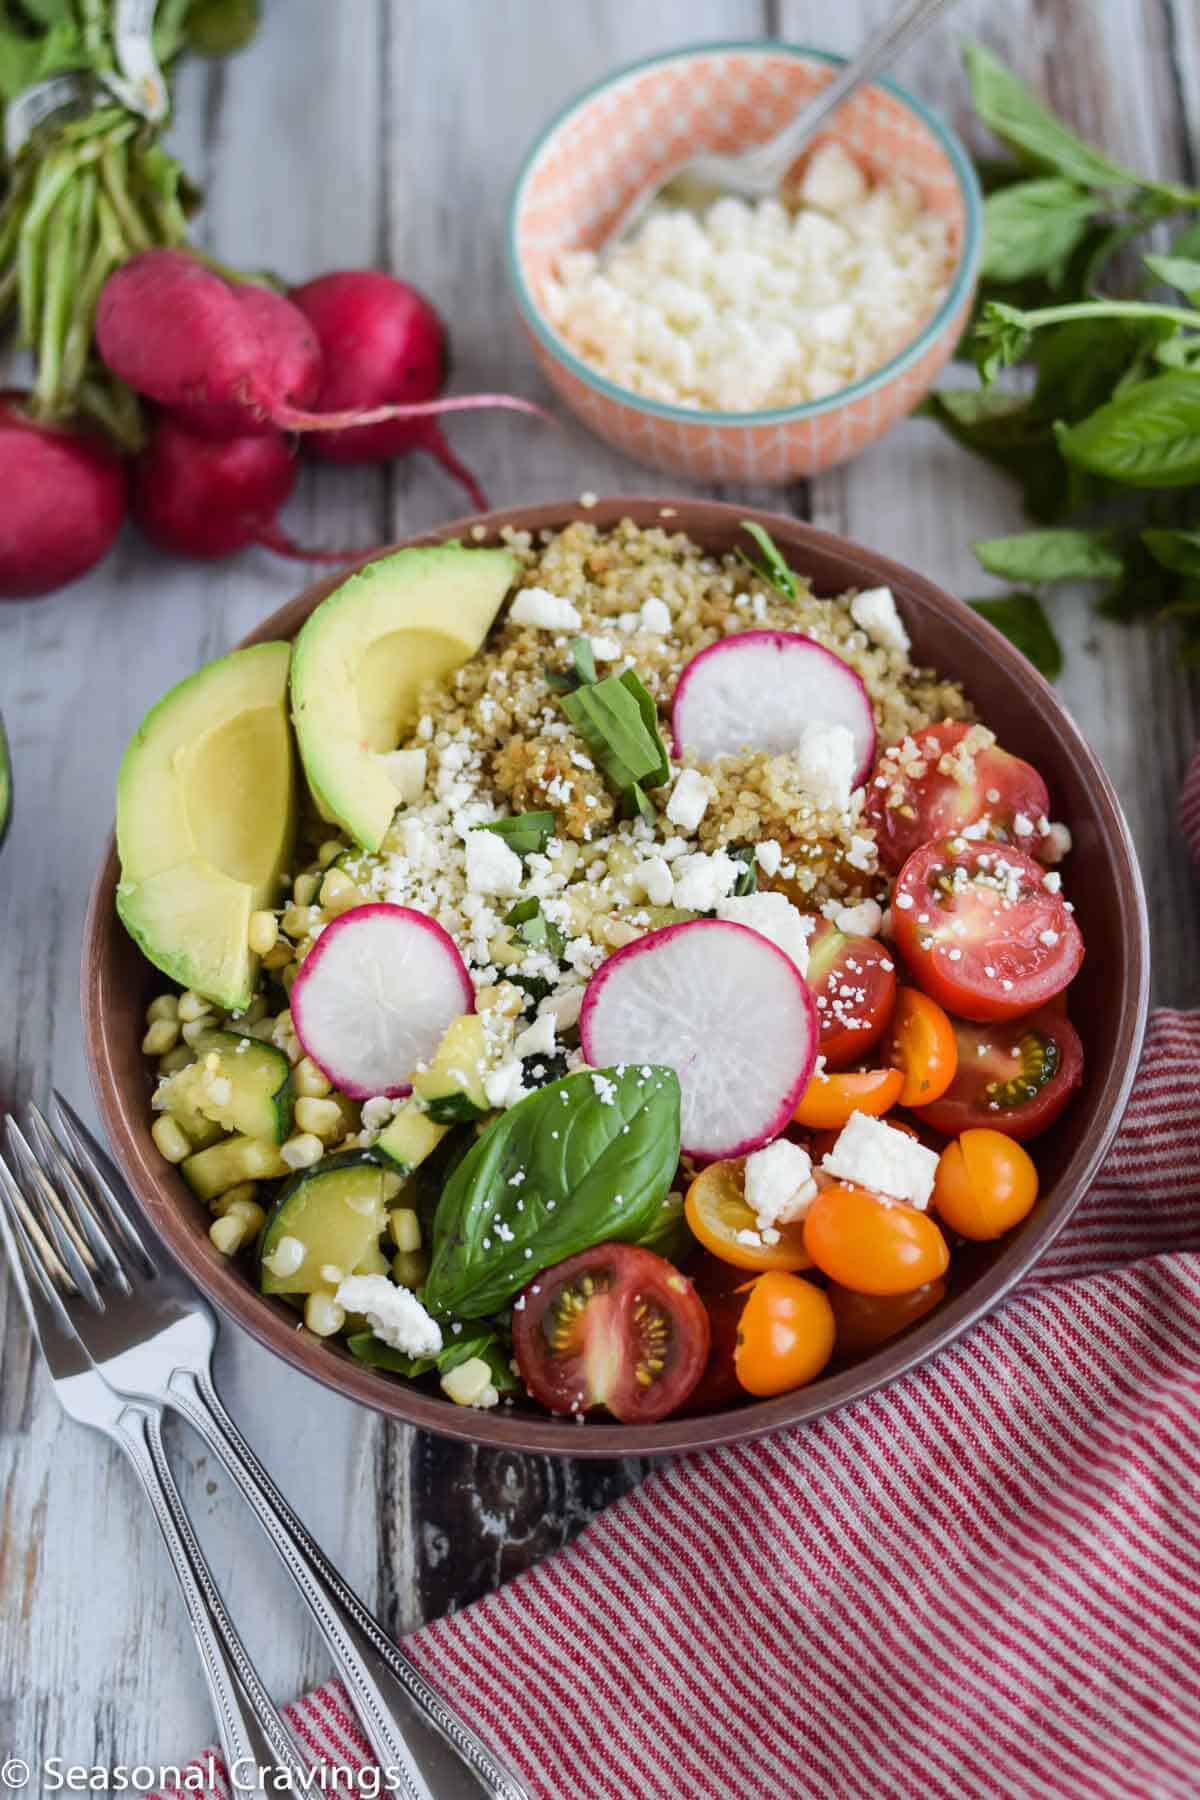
(634, 126)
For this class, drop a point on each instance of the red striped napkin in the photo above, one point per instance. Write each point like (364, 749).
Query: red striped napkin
(982, 1582)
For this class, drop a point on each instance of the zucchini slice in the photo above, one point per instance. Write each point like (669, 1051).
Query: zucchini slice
(235, 1159)
(239, 1083)
(412, 1136)
(337, 1213)
(452, 1086)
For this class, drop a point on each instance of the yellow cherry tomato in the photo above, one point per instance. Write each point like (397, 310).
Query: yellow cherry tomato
(716, 1211)
(828, 1100)
(921, 1043)
(986, 1183)
(872, 1245)
(784, 1336)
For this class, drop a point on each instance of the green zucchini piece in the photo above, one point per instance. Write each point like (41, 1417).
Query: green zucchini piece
(412, 1136)
(452, 1085)
(235, 1159)
(337, 1211)
(248, 1088)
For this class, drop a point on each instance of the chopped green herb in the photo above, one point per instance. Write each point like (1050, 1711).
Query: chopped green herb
(747, 881)
(618, 721)
(772, 568)
(582, 672)
(534, 928)
(527, 833)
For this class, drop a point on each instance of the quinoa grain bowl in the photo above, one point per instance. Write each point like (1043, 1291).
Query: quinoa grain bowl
(509, 1113)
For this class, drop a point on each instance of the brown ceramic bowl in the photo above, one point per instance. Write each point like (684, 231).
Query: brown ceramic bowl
(1109, 1001)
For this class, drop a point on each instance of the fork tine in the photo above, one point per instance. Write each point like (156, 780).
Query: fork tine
(62, 1173)
(29, 1253)
(44, 1202)
(107, 1184)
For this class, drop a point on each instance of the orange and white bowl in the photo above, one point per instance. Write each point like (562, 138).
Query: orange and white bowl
(627, 133)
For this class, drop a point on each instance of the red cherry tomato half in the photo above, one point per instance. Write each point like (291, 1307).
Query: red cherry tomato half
(614, 1327)
(981, 932)
(853, 981)
(1014, 1075)
(718, 1385)
(921, 789)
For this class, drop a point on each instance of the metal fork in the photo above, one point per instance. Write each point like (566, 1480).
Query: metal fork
(153, 1341)
(52, 1267)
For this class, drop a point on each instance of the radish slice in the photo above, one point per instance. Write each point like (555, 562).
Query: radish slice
(757, 690)
(724, 1008)
(374, 996)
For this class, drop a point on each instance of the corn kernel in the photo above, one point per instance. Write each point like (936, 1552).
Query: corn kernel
(302, 1151)
(329, 852)
(233, 1199)
(393, 1184)
(278, 957)
(165, 1007)
(333, 1273)
(193, 1006)
(323, 1315)
(410, 1267)
(195, 1029)
(335, 883)
(286, 1259)
(178, 1058)
(470, 1384)
(322, 1117)
(262, 933)
(405, 1228)
(256, 1010)
(618, 933)
(171, 1139)
(228, 1235)
(298, 921)
(160, 1037)
(248, 1211)
(308, 1081)
(304, 890)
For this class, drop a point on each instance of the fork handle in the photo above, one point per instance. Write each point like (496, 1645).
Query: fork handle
(252, 1734)
(383, 1684)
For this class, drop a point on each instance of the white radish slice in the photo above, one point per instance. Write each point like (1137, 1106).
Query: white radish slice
(724, 1008)
(757, 690)
(374, 996)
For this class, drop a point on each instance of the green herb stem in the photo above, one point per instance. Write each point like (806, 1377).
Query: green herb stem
(113, 166)
(63, 233)
(1108, 309)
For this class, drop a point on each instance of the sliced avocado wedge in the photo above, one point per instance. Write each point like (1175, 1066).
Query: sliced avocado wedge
(362, 658)
(206, 820)
(5, 785)
(237, 1082)
(337, 1213)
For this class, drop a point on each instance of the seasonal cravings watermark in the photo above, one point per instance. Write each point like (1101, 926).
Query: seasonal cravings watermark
(56, 1775)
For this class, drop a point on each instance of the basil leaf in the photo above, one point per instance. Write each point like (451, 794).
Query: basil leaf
(1022, 619)
(1017, 116)
(560, 681)
(618, 721)
(668, 1233)
(1175, 550)
(1001, 337)
(637, 800)
(1180, 272)
(369, 1349)
(1009, 432)
(584, 659)
(535, 987)
(485, 1344)
(527, 833)
(534, 928)
(1032, 228)
(1041, 556)
(772, 568)
(584, 1161)
(1148, 436)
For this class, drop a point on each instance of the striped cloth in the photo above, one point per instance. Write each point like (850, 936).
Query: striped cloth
(982, 1583)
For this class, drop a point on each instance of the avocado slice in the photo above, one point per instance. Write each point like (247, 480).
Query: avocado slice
(362, 658)
(206, 820)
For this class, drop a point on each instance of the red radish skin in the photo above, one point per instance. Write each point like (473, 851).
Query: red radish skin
(196, 497)
(751, 690)
(62, 501)
(291, 343)
(727, 1010)
(382, 341)
(178, 334)
(374, 996)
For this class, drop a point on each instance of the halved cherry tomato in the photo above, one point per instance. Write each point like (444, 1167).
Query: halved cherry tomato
(864, 1321)
(1015, 1076)
(985, 1184)
(980, 931)
(872, 1245)
(909, 807)
(784, 1336)
(853, 981)
(828, 1100)
(615, 1326)
(716, 1210)
(718, 1385)
(921, 1043)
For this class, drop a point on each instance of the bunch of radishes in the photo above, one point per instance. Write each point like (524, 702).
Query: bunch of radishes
(237, 373)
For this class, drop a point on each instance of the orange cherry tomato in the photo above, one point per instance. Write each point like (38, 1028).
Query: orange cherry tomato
(785, 1334)
(864, 1321)
(986, 1183)
(717, 1213)
(872, 1245)
(921, 1043)
(828, 1100)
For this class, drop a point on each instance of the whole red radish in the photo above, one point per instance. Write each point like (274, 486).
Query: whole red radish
(225, 360)
(62, 500)
(381, 341)
(196, 496)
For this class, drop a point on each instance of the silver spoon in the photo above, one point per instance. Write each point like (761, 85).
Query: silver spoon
(755, 174)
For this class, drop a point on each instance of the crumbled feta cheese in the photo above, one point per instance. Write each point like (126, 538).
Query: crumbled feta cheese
(774, 917)
(377, 1113)
(768, 856)
(563, 1008)
(604, 1090)
(779, 1184)
(606, 649)
(549, 612)
(537, 1039)
(657, 881)
(406, 769)
(655, 617)
(862, 854)
(502, 1086)
(394, 1314)
(825, 763)
(492, 866)
(874, 611)
(702, 879)
(863, 920)
(1055, 845)
(689, 799)
(877, 1156)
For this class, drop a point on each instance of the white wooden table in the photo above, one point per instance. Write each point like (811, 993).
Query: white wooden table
(373, 132)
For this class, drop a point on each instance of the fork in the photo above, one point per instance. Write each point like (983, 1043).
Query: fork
(47, 1274)
(153, 1341)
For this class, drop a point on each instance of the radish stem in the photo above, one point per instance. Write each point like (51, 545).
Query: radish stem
(290, 418)
(434, 443)
(271, 538)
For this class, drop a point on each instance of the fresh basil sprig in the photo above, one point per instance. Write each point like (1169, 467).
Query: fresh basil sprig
(1022, 619)
(771, 566)
(587, 1160)
(527, 833)
(367, 1348)
(582, 671)
(534, 928)
(1050, 555)
(618, 721)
